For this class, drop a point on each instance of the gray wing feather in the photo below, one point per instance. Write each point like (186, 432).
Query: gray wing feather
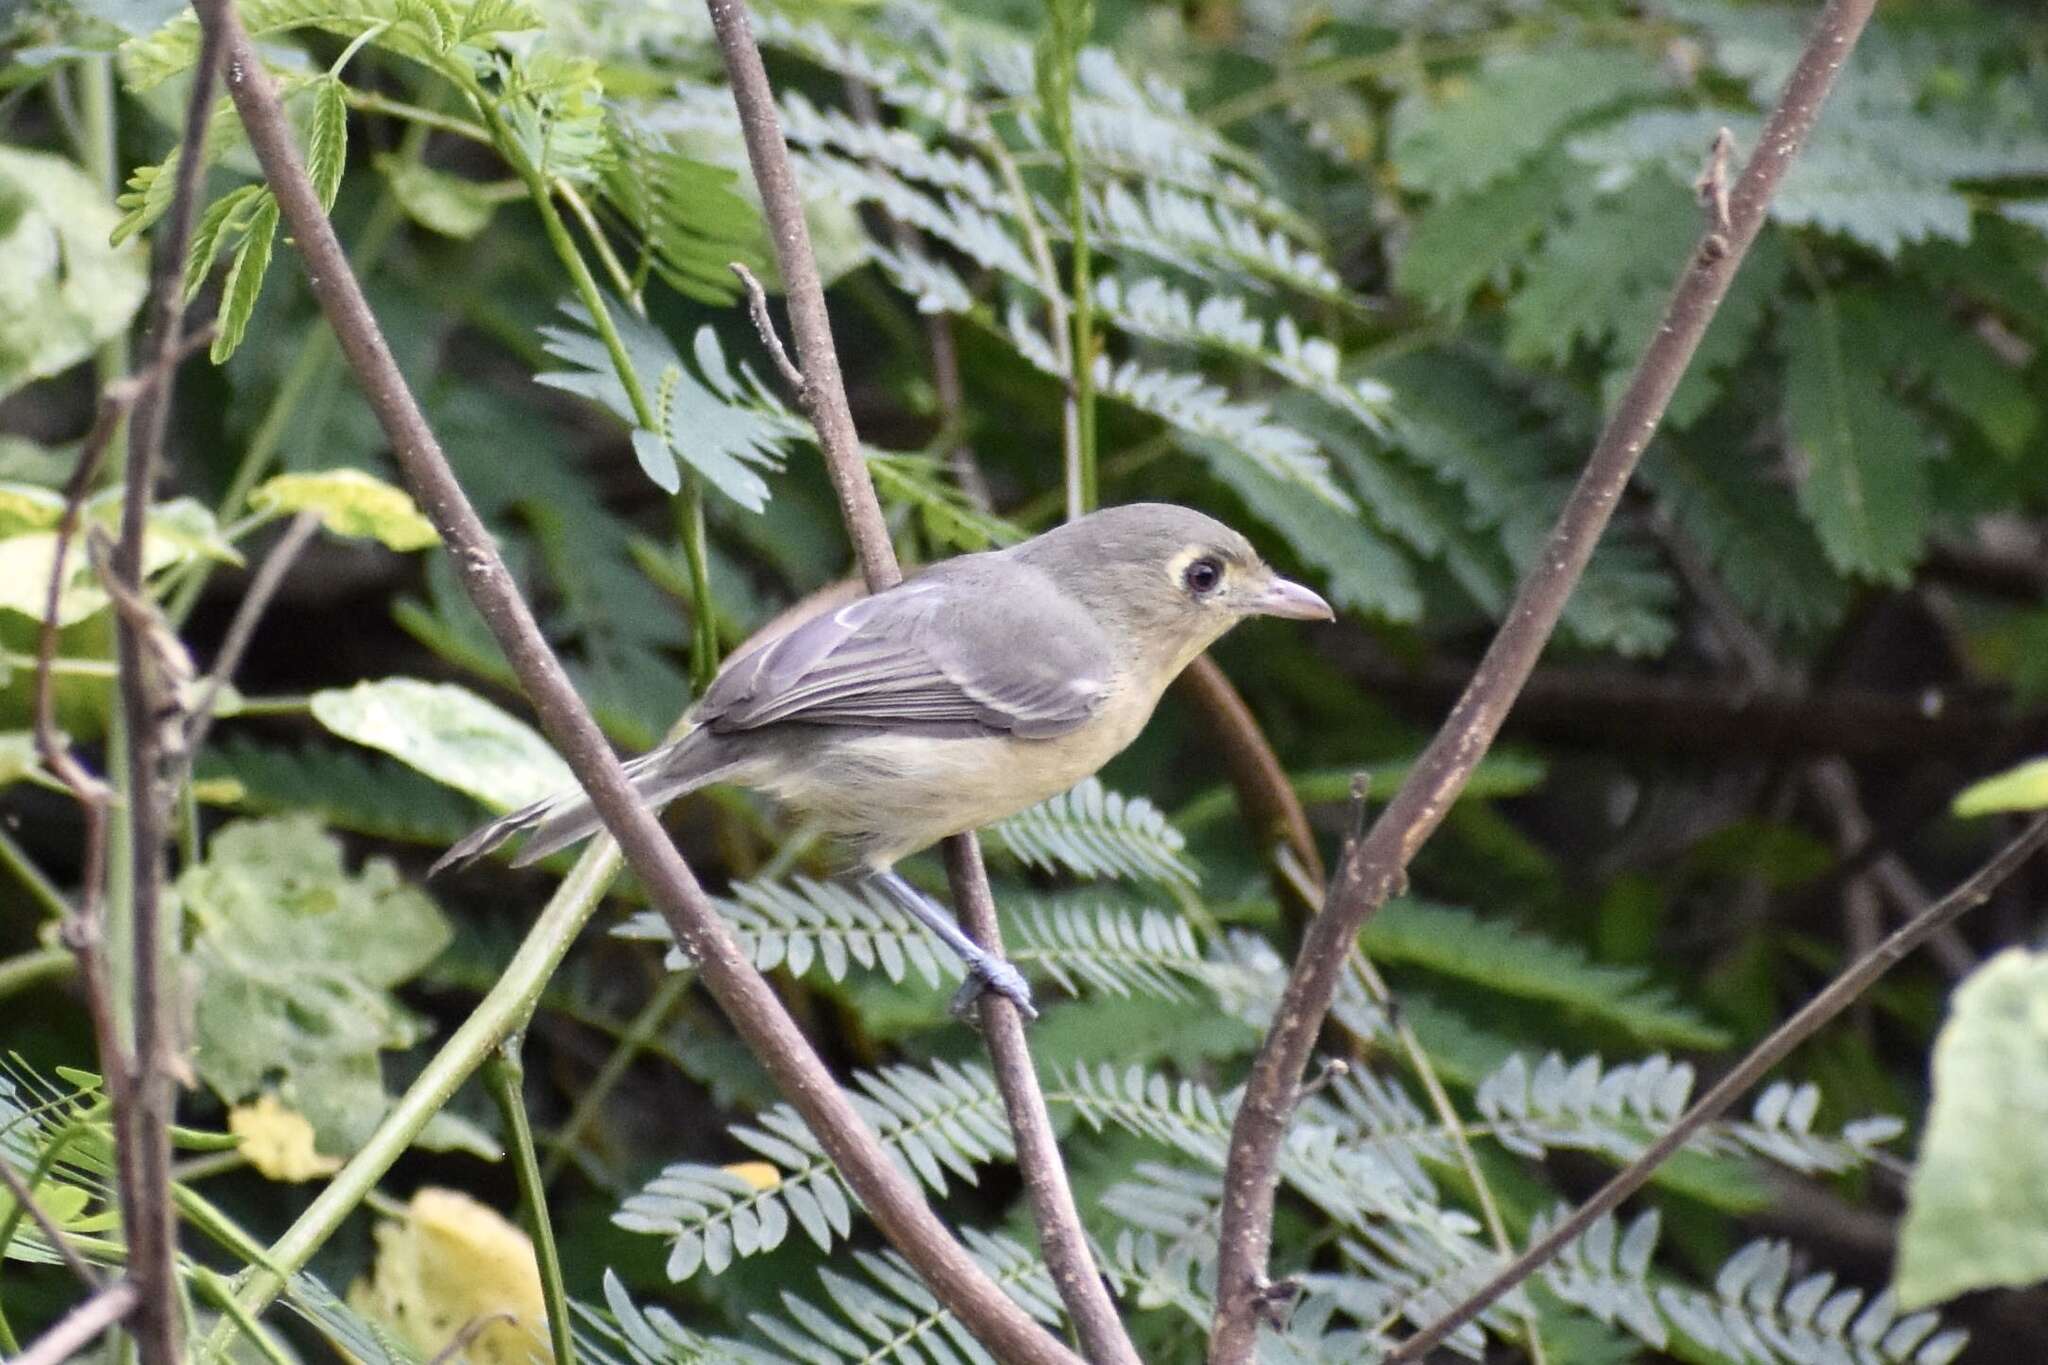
(947, 649)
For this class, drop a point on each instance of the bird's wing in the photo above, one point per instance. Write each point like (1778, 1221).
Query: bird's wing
(945, 652)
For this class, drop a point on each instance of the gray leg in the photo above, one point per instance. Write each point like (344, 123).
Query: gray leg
(985, 971)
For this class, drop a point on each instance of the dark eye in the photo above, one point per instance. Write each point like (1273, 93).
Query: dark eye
(1203, 575)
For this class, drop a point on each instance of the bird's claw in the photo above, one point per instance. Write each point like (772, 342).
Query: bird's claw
(991, 973)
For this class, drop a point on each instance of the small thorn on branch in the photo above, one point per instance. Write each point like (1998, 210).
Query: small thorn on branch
(1273, 1301)
(757, 306)
(1712, 189)
(1333, 1069)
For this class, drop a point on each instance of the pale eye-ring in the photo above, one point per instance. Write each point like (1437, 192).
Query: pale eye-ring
(1203, 576)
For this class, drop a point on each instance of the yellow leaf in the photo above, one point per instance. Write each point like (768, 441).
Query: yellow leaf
(219, 791)
(350, 503)
(2021, 788)
(454, 1261)
(760, 1174)
(279, 1141)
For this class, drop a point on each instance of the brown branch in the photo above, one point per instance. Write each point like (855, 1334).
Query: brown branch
(1265, 797)
(255, 600)
(1838, 995)
(892, 1200)
(82, 1326)
(1375, 867)
(25, 1198)
(1061, 1237)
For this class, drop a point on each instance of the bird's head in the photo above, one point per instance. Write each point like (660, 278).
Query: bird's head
(1165, 579)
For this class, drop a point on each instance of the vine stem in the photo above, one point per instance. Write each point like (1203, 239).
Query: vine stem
(1375, 867)
(505, 1078)
(823, 393)
(892, 1199)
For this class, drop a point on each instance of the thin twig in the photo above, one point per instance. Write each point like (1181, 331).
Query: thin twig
(25, 1198)
(505, 1078)
(891, 1198)
(1375, 867)
(771, 340)
(242, 629)
(1838, 995)
(469, 1332)
(82, 1326)
(1061, 1237)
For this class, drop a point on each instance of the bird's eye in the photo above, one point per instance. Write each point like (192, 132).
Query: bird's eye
(1203, 575)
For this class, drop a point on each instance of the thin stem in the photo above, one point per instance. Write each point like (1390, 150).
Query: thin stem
(16, 860)
(1060, 48)
(697, 559)
(242, 629)
(599, 243)
(1815, 1015)
(80, 1327)
(370, 102)
(1375, 867)
(505, 1078)
(64, 668)
(643, 1027)
(507, 1006)
(33, 968)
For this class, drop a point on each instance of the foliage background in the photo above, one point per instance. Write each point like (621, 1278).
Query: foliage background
(1364, 277)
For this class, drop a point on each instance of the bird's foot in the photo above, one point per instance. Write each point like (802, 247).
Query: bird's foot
(991, 973)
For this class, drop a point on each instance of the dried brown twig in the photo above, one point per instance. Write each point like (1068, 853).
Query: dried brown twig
(823, 394)
(891, 1198)
(78, 1329)
(1375, 867)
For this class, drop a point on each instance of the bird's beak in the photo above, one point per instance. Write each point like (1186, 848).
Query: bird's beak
(1281, 597)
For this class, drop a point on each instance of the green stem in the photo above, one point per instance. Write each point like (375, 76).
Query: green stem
(1056, 87)
(697, 556)
(33, 968)
(62, 667)
(592, 229)
(45, 891)
(500, 1013)
(648, 1022)
(505, 1075)
(370, 102)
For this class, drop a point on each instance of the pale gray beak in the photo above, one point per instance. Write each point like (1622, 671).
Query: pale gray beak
(1280, 597)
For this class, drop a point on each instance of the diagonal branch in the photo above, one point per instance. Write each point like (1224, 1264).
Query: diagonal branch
(1837, 996)
(823, 393)
(78, 1329)
(1375, 867)
(894, 1202)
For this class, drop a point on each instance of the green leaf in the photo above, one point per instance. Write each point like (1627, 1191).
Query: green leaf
(450, 734)
(1500, 957)
(1864, 488)
(1466, 131)
(1461, 243)
(1607, 269)
(327, 139)
(177, 532)
(1977, 1208)
(294, 960)
(245, 279)
(63, 288)
(724, 428)
(224, 218)
(350, 503)
(437, 200)
(2021, 788)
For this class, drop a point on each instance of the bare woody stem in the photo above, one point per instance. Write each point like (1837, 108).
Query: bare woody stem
(889, 1196)
(1375, 867)
(1838, 995)
(823, 394)
(80, 1327)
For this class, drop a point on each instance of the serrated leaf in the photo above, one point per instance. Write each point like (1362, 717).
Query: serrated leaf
(327, 139)
(450, 734)
(2021, 788)
(245, 279)
(350, 503)
(63, 288)
(224, 218)
(1460, 243)
(294, 960)
(1863, 486)
(1977, 1208)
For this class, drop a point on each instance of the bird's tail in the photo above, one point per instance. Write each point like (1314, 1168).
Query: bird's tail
(659, 776)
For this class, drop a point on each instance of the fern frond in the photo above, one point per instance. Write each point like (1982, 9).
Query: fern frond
(1094, 832)
(1502, 957)
(1757, 1311)
(1619, 1109)
(1184, 231)
(626, 1334)
(889, 1314)
(693, 222)
(348, 789)
(943, 1119)
(1412, 1274)
(1112, 948)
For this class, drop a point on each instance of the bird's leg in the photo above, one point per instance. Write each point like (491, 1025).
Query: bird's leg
(985, 971)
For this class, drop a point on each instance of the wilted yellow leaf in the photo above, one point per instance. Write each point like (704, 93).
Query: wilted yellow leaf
(451, 1262)
(760, 1174)
(279, 1141)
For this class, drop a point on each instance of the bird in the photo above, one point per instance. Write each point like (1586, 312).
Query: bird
(975, 689)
